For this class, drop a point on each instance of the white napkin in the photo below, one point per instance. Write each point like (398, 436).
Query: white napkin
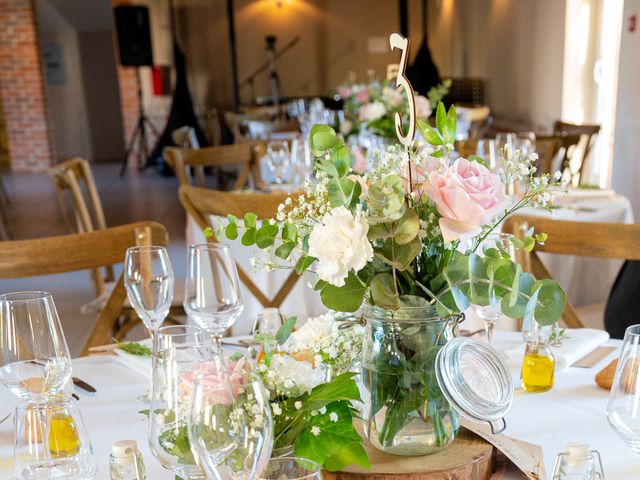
(576, 343)
(137, 363)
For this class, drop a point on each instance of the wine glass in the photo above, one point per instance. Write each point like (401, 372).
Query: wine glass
(486, 148)
(175, 335)
(292, 468)
(623, 409)
(526, 143)
(148, 279)
(278, 159)
(231, 427)
(506, 143)
(301, 159)
(212, 290)
(174, 370)
(491, 313)
(35, 363)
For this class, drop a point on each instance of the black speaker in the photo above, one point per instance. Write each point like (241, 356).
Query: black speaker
(134, 36)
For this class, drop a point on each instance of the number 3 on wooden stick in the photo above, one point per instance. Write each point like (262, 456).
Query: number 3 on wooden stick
(398, 41)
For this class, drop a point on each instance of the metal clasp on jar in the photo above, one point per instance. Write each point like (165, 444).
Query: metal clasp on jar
(451, 327)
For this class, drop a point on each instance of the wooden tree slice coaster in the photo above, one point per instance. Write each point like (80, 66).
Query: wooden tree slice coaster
(469, 457)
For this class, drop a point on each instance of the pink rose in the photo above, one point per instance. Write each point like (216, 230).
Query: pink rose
(221, 387)
(423, 107)
(420, 173)
(362, 96)
(467, 195)
(344, 91)
(361, 164)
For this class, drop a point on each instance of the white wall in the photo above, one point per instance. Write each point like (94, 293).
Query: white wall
(66, 102)
(626, 160)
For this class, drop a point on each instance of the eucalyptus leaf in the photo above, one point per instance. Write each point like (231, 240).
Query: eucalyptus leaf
(284, 332)
(407, 227)
(250, 220)
(231, 232)
(304, 263)
(284, 250)
(347, 298)
(383, 293)
(266, 235)
(249, 237)
(341, 159)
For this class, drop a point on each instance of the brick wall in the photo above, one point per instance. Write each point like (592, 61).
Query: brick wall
(21, 88)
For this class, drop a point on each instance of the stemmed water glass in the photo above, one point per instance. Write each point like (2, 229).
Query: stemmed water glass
(148, 279)
(212, 289)
(623, 409)
(278, 159)
(491, 313)
(231, 427)
(35, 363)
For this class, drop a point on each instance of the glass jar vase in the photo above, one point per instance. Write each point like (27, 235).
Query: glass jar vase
(405, 411)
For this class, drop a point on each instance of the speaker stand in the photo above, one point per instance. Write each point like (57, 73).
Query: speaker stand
(139, 134)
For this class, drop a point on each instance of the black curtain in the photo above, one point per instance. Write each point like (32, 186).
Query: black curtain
(423, 73)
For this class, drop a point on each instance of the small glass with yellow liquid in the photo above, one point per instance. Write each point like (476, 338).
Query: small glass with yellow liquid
(539, 364)
(51, 441)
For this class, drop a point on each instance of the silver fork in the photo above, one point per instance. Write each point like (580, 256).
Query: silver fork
(5, 418)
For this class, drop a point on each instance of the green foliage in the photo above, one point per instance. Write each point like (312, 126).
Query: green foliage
(437, 93)
(347, 298)
(285, 330)
(134, 348)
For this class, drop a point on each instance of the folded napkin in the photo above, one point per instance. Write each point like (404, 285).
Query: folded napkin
(137, 363)
(576, 344)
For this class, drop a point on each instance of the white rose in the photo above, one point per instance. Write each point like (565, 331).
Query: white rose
(314, 332)
(423, 107)
(340, 244)
(372, 111)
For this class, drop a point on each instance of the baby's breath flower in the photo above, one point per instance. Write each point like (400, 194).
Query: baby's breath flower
(315, 430)
(333, 416)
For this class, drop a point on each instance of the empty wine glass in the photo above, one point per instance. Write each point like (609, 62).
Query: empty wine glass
(486, 148)
(492, 312)
(623, 409)
(175, 335)
(212, 290)
(148, 279)
(506, 143)
(526, 143)
(35, 363)
(302, 160)
(291, 468)
(231, 428)
(278, 159)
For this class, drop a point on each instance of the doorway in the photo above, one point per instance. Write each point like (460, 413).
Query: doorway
(81, 79)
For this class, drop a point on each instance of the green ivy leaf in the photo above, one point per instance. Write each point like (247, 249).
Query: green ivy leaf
(347, 298)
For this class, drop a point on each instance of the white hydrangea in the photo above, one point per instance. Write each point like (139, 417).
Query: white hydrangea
(286, 376)
(340, 244)
(372, 111)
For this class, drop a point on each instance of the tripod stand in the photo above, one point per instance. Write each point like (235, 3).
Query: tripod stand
(139, 134)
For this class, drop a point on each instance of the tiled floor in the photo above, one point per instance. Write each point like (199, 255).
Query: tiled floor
(34, 212)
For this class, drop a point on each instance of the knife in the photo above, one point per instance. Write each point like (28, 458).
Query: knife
(83, 385)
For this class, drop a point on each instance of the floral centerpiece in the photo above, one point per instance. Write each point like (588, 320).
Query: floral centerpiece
(373, 106)
(312, 411)
(404, 239)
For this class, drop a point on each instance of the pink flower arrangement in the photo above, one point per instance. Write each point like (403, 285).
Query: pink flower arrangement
(467, 195)
(222, 387)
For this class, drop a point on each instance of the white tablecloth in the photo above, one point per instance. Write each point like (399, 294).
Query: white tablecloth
(574, 410)
(586, 280)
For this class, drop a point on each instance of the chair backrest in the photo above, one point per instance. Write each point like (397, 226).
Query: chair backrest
(202, 204)
(588, 134)
(566, 146)
(185, 137)
(74, 176)
(264, 129)
(244, 156)
(214, 126)
(582, 239)
(81, 251)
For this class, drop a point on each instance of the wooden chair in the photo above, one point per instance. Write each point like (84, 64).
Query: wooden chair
(582, 239)
(244, 156)
(202, 203)
(588, 132)
(565, 145)
(81, 251)
(69, 177)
